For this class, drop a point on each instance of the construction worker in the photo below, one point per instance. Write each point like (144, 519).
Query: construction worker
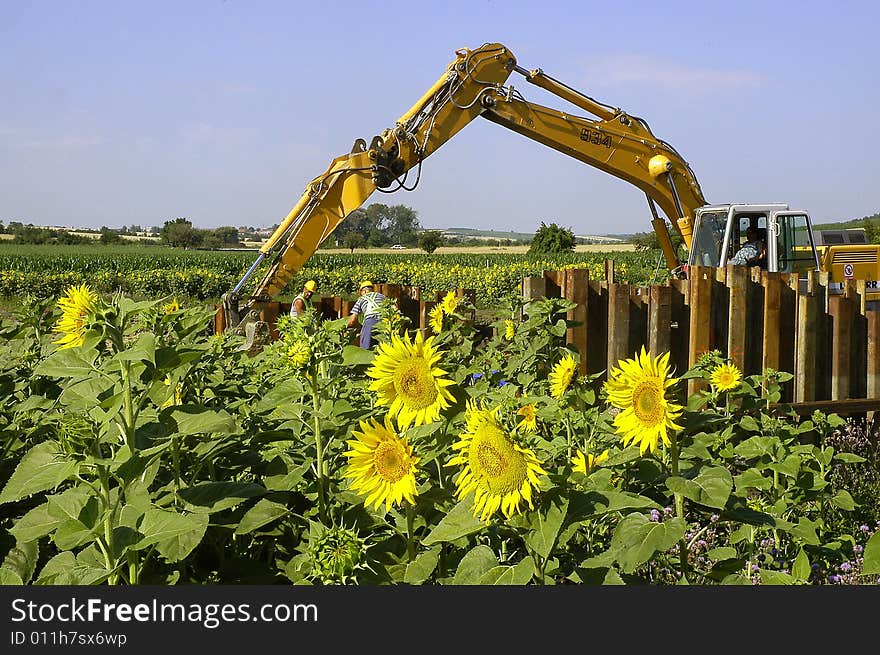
(367, 307)
(300, 303)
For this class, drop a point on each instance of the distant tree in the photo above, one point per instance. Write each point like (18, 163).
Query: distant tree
(872, 228)
(180, 233)
(552, 238)
(645, 241)
(354, 240)
(227, 235)
(109, 236)
(430, 240)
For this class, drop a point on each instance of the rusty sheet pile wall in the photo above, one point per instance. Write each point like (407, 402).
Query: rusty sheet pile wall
(761, 320)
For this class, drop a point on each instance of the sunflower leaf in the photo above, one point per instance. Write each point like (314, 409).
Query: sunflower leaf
(422, 567)
(21, 560)
(67, 363)
(711, 487)
(43, 467)
(545, 527)
(520, 574)
(871, 564)
(637, 539)
(459, 522)
(263, 513)
(355, 355)
(474, 565)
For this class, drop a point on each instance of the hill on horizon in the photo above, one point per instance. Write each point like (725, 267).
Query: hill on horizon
(473, 233)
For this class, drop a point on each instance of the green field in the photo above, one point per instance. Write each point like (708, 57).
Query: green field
(154, 271)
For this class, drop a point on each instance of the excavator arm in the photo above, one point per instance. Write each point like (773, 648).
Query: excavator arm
(472, 85)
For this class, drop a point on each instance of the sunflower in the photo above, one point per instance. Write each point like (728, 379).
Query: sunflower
(381, 465)
(725, 377)
(172, 307)
(449, 303)
(436, 319)
(529, 421)
(498, 471)
(75, 306)
(509, 329)
(408, 381)
(586, 463)
(298, 353)
(638, 387)
(562, 375)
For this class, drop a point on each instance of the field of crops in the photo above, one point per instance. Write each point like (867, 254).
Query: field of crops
(138, 450)
(153, 272)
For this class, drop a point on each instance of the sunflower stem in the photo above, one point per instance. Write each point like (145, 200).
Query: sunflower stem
(129, 420)
(319, 444)
(410, 542)
(679, 509)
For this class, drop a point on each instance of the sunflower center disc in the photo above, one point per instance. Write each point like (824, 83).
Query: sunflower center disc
(415, 383)
(646, 402)
(491, 462)
(389, 462)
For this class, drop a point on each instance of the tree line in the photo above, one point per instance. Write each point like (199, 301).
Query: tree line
(375, 226)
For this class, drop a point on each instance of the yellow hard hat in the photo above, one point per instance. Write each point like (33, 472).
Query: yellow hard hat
(365, 283)
(310, 286)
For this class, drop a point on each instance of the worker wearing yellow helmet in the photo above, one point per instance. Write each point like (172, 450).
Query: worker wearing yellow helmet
(367, 307)
(300, 303)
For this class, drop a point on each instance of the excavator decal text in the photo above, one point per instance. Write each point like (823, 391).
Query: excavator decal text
(595, 137)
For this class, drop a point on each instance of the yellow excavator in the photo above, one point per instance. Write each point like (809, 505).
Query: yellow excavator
(475, 84)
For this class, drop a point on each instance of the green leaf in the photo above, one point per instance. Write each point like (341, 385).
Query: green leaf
(595, 503)
(165, 527)
(68, 504)
(420, 570)
(711, 487)
(871, 564)
(756, 447)
(142, 350)
(459, 522)
(545, 527)
(58, 566)
(721, 554)
(844, 500)
(749, 424)
(752, 479)
(806, 530)
(9, 578)
(789, 466)
(848, 458)
(775, 577)
(190, 419)
(71, 534)
(43, 467)
(21, 560)
(800, 570)
(176, 548)
(476, 563)
(637, 539)
(521, 574)
(264, 512)
(217, 496)
(67, 363)
(355, 355)
(35, 524)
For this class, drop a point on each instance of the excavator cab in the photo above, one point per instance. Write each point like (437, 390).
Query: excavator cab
(720, 231)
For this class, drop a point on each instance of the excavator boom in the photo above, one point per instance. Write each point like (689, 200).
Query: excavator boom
(472, 85)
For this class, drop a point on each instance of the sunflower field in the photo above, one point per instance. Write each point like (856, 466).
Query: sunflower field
(139, 449)
(153, 271)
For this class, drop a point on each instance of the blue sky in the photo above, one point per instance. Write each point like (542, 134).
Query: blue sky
(120, 113)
